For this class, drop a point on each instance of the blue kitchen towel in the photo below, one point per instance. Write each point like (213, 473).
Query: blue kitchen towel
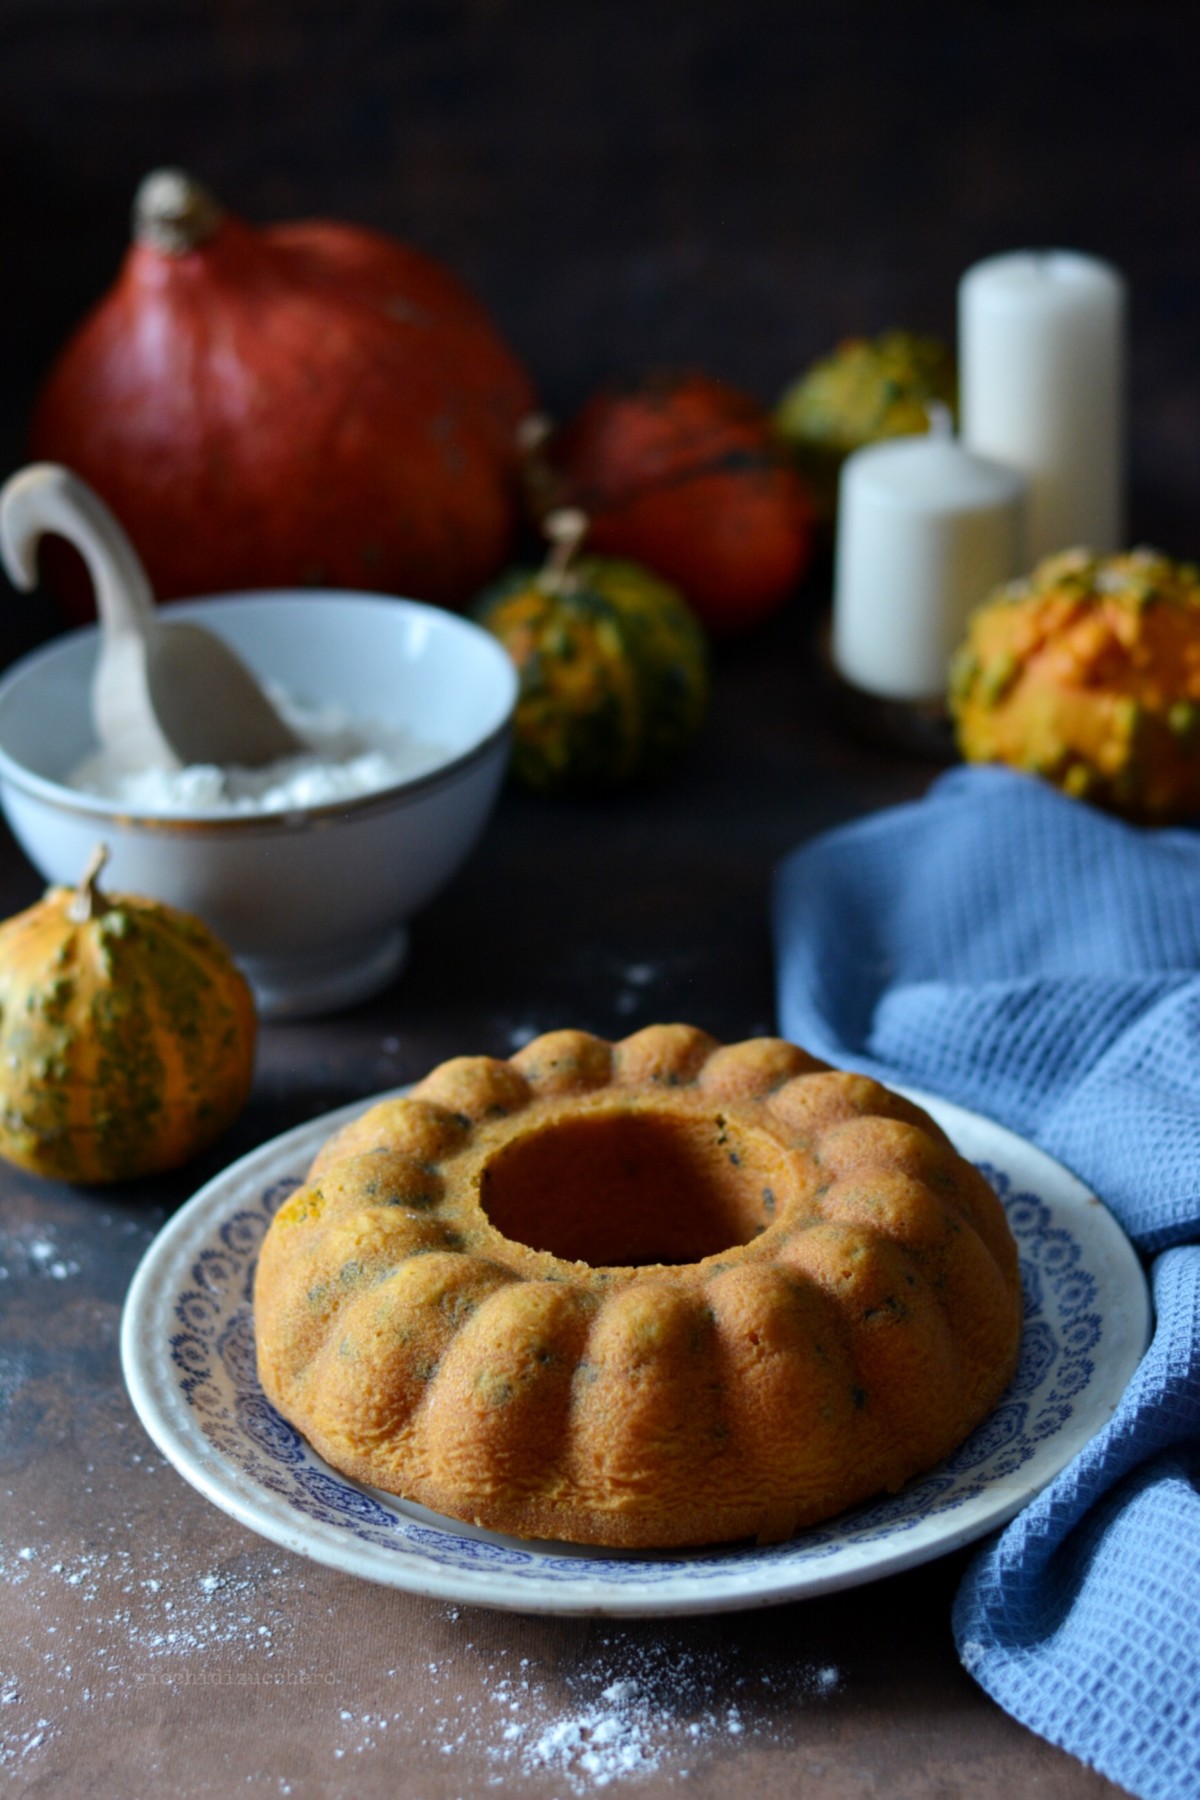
(1031, 958)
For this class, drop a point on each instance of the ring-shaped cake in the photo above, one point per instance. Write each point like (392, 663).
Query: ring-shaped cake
(656, 1293)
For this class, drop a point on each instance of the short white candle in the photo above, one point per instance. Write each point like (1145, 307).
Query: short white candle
(1042, 379)
(925, 531)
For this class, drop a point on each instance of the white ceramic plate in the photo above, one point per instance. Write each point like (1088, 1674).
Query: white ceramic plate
(187, 1346)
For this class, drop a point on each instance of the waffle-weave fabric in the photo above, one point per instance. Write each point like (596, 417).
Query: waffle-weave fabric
(1038, 961)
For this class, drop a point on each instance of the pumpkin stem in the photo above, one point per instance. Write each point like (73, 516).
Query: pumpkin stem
(174, 213)
(87, 899)
(566, 527)
(542, 486)
(533, 432)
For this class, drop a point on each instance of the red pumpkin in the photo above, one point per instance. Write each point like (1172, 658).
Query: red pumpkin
(685, 475)
(308, 403)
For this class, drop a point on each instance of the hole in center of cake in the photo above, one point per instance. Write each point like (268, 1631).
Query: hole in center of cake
(629, 1188)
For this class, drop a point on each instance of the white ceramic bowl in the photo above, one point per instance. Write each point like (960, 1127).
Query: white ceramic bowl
(313, 903)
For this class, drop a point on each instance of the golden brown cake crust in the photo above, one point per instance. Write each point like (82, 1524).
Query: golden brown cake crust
(656, 1293)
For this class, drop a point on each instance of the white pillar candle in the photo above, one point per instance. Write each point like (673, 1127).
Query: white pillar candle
(1042, 381)
(925, 531)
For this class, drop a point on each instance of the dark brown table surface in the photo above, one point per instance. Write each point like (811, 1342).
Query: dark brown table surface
(628, 183)
(148, 1644)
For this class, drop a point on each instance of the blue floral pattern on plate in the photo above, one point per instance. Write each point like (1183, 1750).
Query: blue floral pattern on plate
(188, 1346)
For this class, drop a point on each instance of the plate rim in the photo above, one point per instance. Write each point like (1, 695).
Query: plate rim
(146, 1378)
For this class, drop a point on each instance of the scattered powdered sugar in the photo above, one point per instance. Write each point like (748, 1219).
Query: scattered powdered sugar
(640, 974)
(134, 1617)
(633, 1707)
(633, 981)
(165, 1614)
(347, 758)
(36, 1252)
(627, 1704)
(25, 1254)
(613, 1736)
(522, 1033)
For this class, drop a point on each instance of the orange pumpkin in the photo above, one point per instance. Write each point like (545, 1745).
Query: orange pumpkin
(685, 475)
(307, 403)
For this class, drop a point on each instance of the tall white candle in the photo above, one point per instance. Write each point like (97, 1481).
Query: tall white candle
(1042, 381)
(925, 531)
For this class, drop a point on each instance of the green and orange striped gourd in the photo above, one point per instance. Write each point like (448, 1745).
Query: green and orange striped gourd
(126, 1035)
(612, 662)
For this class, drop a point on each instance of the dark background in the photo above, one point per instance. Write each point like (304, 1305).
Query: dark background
(627, 184)
(631, 183)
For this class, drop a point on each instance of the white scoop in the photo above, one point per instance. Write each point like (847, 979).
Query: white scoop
(166, 694)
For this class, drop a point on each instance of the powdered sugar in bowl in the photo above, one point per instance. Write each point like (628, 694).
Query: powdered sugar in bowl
(309, 872)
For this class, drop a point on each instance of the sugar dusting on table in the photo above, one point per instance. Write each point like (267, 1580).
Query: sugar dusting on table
(346, 759)
(33, 1254)
(95, 1616)
(97, 1613)
(632, 1705)
(138, 1610)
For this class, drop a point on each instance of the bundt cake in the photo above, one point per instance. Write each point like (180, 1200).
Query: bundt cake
(654, 1293)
